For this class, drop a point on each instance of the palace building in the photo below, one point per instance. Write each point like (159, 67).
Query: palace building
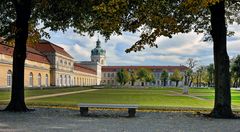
(50, 65)
(109, 76)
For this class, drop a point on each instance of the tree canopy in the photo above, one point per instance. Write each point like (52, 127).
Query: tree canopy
(176, 77)
(123, 76)
(164, 77)
(145, 75)
(152, 18)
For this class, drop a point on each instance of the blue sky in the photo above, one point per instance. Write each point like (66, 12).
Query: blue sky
(174, 51)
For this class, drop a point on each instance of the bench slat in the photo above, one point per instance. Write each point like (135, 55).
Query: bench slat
(108, 105)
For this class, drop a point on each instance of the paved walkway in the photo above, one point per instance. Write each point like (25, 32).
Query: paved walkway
(57, 94)
(63, 120)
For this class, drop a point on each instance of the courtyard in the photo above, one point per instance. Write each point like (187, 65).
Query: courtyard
(147, 98)
(161, 109)
(65, 120)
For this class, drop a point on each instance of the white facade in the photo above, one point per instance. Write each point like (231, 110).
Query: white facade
(109, 76)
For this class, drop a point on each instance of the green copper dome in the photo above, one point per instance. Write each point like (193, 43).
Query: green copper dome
(98, 50)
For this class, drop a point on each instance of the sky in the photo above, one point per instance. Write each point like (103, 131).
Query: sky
(170, 52)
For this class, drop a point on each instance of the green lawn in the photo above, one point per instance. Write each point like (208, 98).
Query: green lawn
(153, 97)
(145, 97)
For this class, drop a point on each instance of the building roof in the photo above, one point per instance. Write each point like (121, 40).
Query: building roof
(154, 68)
(1, 39)
(82, 68)
(46, 46)
(32, 54)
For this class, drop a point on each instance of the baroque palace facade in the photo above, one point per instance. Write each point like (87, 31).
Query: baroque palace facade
(50, 65)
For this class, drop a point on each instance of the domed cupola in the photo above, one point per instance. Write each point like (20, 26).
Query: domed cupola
(98, 50)
(98, 54)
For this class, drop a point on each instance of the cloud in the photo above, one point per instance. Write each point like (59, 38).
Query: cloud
(81, 51)
(174, 51)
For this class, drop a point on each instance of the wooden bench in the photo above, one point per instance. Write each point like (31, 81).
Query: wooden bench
(131, 107)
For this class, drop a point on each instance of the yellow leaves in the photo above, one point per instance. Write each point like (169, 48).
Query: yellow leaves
(202, 3)
(196, 5)
(113, 6)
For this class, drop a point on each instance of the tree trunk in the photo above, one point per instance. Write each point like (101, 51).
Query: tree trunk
(200, 81)
(190, 84)
(23, 11)
(222, 105)
(132, 83)
(176, 83)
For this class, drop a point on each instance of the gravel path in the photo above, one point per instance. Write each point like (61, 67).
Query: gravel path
(188, 95)
(60, 94)
(57, 94)
(63, 120)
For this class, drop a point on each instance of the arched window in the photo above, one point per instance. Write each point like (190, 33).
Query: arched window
(69, 80)
(80, 82)
(74, 81)
(31, 79)
(60, 80)
(39, 80)
(9, 78)
(46, 80)
(65, 78)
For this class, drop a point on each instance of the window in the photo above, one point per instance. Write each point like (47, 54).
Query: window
(65, 80)
(69, 80)
(39, 80)
(104, 74)
(108, 74)
(60, 80)
(112, 81)
(69, 63)
(31, 79)
(9, 78)
(46, 80)
(74, 81)
(112, 74)
(61, 61)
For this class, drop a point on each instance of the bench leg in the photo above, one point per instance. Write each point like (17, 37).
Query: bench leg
(84, 111)
(131, 112)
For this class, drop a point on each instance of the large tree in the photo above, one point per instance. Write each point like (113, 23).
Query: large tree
(164, 77)
(123, 76)
(133, 77)
(154, 18)
(176, 77)
(168, 17)
(191, 64)
(22, 9)
(145, 75)
(16, 16)
(210, 75)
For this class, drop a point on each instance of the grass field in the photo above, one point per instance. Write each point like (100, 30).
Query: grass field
(145, 97)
